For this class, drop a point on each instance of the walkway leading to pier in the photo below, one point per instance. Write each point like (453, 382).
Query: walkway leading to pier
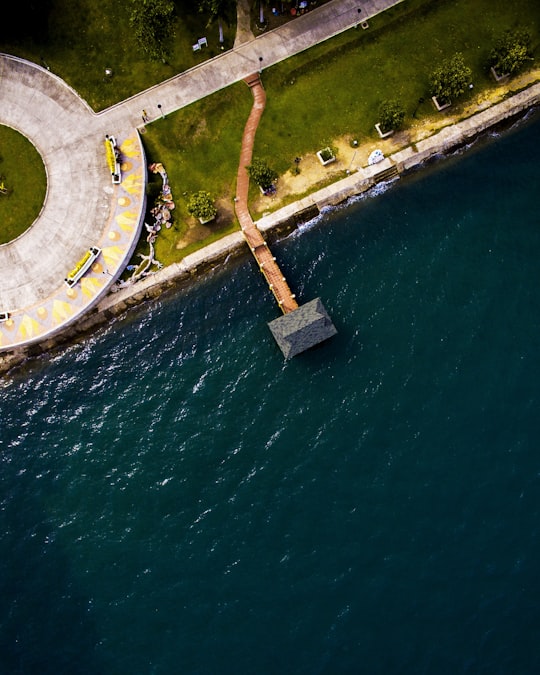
(266, 261)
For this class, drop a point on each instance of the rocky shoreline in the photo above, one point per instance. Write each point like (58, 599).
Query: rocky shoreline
(443, 142)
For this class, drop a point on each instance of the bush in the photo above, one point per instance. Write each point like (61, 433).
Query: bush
(201, 205)
(510, 52)
(261, 173)
(450, 79)
(327, 154)
(151, 21)
(391, 115)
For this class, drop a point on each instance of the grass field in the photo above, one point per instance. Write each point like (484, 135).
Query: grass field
(335, 89)
(23, 174)
(332, 90)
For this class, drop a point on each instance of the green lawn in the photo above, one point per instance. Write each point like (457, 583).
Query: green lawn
(25, 181)
(199, 147)
(332, 90)
(336, 89)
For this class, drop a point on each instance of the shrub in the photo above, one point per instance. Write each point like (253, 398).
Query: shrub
(391, 115)
(261, 173)
(510, 52)
(201, 205)
(327, 154)
(151, 22)
(450, 79)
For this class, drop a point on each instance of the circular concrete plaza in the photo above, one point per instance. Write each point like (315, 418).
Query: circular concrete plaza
(82, 207)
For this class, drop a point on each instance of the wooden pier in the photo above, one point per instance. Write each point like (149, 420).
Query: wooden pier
(258, 246)
(301, 327)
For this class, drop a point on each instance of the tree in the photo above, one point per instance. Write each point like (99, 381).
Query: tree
(510, 52)
(391, 115)
(221, 10)
(201, 205)
(261, 173)
(151, 21)
(450, 79)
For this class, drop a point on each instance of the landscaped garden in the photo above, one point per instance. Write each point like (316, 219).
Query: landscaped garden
(82, 41)
(333, 91)
(22, 184)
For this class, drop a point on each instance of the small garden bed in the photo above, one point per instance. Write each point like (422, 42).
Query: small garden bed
(326, 156)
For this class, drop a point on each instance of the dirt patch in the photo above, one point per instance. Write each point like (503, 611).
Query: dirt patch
(196, 232)
(349, 158)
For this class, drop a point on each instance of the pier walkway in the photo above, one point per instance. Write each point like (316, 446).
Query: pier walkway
(266, 261)
(301, 327)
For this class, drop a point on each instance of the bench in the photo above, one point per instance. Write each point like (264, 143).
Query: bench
(113, 159)
(201, 42)
(82, 266)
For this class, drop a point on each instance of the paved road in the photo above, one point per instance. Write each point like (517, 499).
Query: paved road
(82, 207)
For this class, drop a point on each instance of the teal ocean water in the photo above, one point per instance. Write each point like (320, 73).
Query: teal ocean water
(175, 498)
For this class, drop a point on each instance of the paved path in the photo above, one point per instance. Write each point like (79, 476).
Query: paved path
(235, 65)
(82, 208)
(262, 254)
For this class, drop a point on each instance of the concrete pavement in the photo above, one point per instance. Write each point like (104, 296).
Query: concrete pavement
(82, 208)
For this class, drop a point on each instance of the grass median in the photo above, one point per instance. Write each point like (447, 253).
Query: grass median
(23, 184)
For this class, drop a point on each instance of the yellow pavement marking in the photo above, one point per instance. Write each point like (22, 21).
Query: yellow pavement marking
(61, 310)
(91, 285)
(127, 220)
(28, 327)
(133, 183)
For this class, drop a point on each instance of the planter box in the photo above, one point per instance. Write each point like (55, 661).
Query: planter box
(440, 106)
(497, 77)
(381, 133)
(329, 160)
(204, 221)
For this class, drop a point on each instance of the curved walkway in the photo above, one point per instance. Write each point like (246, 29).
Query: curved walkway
(266, 261)
(82, 207)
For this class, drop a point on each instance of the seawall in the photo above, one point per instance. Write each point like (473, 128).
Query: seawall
(284, 220)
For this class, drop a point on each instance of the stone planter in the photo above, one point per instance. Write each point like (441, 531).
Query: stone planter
(440, 106)
(205, 221)
(497, 77)
(383, 134)
(326, 156)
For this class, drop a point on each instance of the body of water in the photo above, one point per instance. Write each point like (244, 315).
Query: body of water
(175, 498)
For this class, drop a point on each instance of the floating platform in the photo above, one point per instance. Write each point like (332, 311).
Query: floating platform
(303, 328)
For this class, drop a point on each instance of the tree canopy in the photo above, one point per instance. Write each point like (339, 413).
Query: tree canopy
(217, 8)
(151, 21)
(510, 52)
(391, 115)
(261, 173)
(201, 205)
(450, 79)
